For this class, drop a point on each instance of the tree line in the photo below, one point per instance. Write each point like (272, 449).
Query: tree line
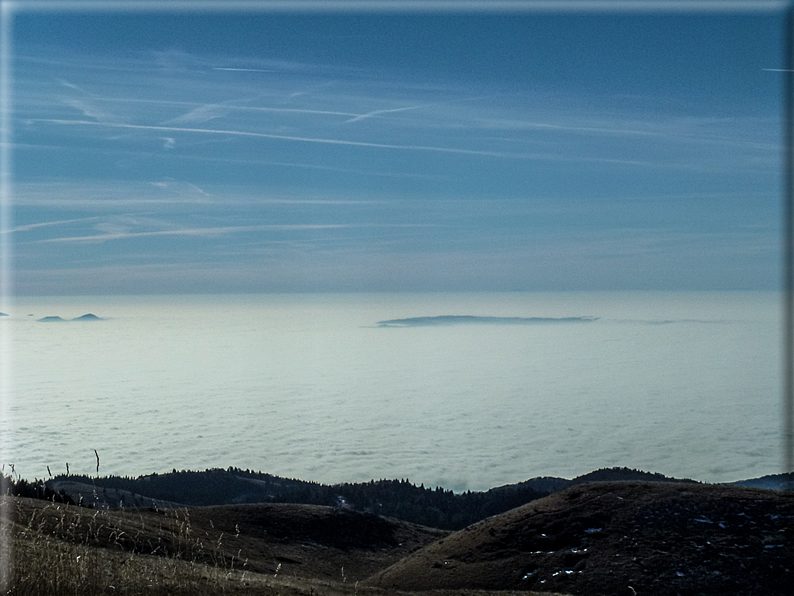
(401, 499)
(434, 507)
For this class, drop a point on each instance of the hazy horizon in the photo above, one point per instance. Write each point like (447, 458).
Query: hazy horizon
(685, 384)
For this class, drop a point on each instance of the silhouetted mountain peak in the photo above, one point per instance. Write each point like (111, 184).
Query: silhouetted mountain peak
(56, 319)
(88, 317)
(51, 319)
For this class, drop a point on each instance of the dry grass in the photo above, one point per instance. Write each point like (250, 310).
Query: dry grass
(63, 550)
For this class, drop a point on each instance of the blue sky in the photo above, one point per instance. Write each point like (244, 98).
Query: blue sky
(374, 151)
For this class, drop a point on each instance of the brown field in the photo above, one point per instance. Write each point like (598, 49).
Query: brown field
(601, 538)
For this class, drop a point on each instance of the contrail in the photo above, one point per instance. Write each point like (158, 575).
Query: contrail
(25, 228)
(244, 69)
(227, 106)
(263, 135)
(424, 105)
(376, 112)
(196, 232)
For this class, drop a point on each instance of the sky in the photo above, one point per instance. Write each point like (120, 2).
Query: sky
(229, 152)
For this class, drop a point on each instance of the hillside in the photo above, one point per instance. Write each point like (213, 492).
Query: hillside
(65, 549)
(631, 537)
(619, 538)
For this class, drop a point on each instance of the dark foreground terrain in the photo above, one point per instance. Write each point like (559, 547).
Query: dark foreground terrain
(598, 538)
(619, 538)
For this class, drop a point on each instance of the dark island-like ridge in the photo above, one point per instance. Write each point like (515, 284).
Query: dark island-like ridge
(449, 320)
(57, 319)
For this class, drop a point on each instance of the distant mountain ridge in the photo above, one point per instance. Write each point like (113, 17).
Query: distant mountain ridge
(57, 319)
(449, 320)
(88, 317)
(552, 484)
(770, 481)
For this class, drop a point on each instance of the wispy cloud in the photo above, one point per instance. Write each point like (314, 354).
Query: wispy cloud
(244, 69)
(447, 102)
(230, 107)
(180, 187)
(315, 166)
(28, 227)
(200, 114)
(89, 110)
(262, 135)
(72, 86)
(379, 112)
(86, 103)
(211, 111)
(109, 196)
(349, 143)
(170, 195)
(123, 235)
(733, 131)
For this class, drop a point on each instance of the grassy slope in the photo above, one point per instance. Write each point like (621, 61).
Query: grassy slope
(613, 538)
(619, 538)
(237, 549)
